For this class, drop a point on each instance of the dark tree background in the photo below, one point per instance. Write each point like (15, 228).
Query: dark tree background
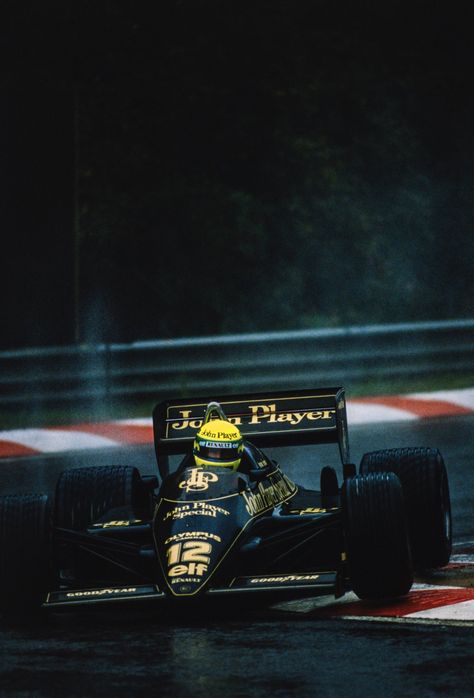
(186, 167)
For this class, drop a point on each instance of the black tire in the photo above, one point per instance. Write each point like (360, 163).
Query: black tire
(424, 479)
(376, 536)
(26, 559)
(85, 495)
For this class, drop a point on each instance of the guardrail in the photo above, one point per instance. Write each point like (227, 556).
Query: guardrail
(235, 363)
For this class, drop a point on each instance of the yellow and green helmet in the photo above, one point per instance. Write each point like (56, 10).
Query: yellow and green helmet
(218, 441)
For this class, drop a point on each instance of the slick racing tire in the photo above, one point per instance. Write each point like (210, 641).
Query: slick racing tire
(85, 495)
(376, 536)
(25, 552)
(422, 473)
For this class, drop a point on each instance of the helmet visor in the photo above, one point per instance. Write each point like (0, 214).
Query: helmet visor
(219, 452)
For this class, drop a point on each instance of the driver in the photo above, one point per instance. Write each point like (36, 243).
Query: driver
(218, 441)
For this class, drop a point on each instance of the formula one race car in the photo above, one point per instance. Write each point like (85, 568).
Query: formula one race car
(210, 532)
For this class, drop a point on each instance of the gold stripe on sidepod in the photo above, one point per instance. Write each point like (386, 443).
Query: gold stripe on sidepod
(228, 549)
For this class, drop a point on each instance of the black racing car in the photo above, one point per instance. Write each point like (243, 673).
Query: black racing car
(198, 533)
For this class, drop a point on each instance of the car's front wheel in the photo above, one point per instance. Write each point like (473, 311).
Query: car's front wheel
(376, 537)
(85, 495)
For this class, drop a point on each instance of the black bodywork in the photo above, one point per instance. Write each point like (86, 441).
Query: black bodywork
(209, 532)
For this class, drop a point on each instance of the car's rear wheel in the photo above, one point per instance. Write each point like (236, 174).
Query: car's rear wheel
(424, 479)
(25, 552)
(376, 536)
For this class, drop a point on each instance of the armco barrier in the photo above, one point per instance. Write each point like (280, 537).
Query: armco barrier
(235, 363)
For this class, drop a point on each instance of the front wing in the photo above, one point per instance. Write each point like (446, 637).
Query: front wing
(276, 587)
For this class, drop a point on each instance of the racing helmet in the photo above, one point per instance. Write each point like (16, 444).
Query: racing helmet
(218, 441)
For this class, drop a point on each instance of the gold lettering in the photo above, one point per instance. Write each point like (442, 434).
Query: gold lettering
(187, 535)
(320, 414)
(260, 412)
(197, 480)
(184, 422)
(100, 592)
(111, 524)
(278, 490)
(286, 578)
(193, 569)
(285, 417)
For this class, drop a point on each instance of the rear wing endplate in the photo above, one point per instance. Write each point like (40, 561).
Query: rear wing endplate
(266, 419)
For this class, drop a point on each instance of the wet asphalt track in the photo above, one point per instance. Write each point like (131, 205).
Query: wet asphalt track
(260, 654)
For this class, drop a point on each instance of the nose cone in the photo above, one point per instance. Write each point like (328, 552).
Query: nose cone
(193, 538)
(195, 529)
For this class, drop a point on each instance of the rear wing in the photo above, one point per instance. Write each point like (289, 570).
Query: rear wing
(278, 418)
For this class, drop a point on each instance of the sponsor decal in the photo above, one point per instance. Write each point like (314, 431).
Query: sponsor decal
(312, 510)
(193, 569)
(268, 414)
(100, 592)
(188, 558)
(198, 480)
(190, 535)
(300, 412)
(113, 524)
(284, 579)
(216, 444)
(195, 509)
(275, 490)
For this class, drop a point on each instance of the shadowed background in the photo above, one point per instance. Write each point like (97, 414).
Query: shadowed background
(201, 167)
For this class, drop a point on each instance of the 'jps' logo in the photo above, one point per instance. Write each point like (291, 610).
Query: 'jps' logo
(198, 480)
